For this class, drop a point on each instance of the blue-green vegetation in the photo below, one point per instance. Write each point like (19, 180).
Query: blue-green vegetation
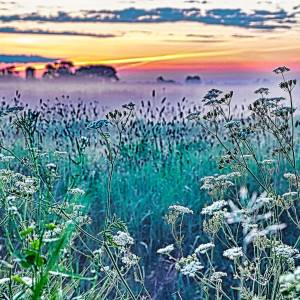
(173, 201)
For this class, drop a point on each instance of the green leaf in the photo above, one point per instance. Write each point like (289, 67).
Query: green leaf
(26, 231)
(50, 226)
(32, 258)
(35, 244)
(54, 256)
(22, 280)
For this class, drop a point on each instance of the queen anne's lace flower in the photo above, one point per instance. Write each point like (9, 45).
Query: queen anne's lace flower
(203, 248)
(221, 182)
(76, 191)
(166, 250)
(189, 266)
(105, 269)
(212, 94)
(262, 90)
(100, 124)
(60, 153)
(26, 185)
(285, 251)
(214, 207)
(290, 176)
(233, 253)
(290, 284)
(289, 195)
(130, 259)
(233, 175)
(6, 158)
(268, 162)
(217, 276)
(98, 252)
(264, 200)
(123, 239)
(280, 70)
(51, 166)
(181, 209)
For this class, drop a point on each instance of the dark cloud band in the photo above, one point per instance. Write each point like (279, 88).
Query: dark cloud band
(258, 19)
(64, 33)
(24, 59)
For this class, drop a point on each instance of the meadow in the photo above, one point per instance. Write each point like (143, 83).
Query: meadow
(142, 201)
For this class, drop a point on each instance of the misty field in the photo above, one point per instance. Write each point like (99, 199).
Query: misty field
(151, 200)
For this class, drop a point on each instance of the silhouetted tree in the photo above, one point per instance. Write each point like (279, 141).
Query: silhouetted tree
(161, 79)
(97, 71)
(30, 73)
(193, 79)
(9, 73)
(49, 72)
(64, 68)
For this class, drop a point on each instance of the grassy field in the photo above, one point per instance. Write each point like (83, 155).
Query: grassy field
(130, 173)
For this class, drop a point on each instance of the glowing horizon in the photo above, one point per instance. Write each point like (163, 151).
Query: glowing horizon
(143, 36)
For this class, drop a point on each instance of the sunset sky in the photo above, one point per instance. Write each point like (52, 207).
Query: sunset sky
(154, 36)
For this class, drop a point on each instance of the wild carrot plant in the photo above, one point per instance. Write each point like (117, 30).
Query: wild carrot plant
(47, 253)
(250, 229)
(81, 199)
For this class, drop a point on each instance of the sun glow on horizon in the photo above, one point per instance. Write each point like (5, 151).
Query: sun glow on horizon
(135, 46)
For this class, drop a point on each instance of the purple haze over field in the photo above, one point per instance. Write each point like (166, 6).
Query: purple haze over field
(114, 94)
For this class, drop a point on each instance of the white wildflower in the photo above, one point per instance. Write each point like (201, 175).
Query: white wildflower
(264, 200)
(123, 239)
(26, 188)
(53, 234)
(76, 191)
(13, 209)
(285, 251)
(98, 252)
(60, 153)
(51, 166)
(11, 198)
(233, 175)
(6, 158)
(181, 209)
(130, 259)
(4, 280)
(217, 276)
(261, 201)
(289, 284)
(189, 266)
(221, 182)
(166, 250)
(203, 248)
(290, 177)
(268, 162)
(233, 253)
(247, 156)
(289, 195)
(104, 269)
(214, 207)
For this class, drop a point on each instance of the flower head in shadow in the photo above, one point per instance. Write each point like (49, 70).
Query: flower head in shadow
(281, 70)
(100, 124)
